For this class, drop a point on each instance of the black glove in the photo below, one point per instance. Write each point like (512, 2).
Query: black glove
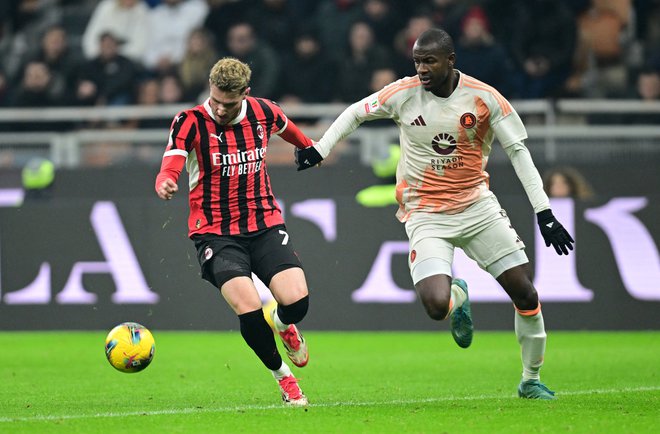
(554, 233)
(307, 157)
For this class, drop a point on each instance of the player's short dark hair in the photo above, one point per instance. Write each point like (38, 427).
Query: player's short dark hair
(437, 37)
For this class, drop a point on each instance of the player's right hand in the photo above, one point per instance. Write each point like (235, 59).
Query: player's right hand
(307, 157)
(166, 189)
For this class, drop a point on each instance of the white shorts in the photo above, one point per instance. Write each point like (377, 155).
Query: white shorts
(483, 231)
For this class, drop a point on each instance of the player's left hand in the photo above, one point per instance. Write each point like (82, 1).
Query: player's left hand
(554, 233)
(307, 157)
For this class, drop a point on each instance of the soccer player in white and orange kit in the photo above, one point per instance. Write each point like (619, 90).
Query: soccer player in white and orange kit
(447, 122)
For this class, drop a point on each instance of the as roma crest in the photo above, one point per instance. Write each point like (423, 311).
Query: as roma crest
(468, 120)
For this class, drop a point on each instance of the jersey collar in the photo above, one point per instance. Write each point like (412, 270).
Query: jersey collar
(239, 118)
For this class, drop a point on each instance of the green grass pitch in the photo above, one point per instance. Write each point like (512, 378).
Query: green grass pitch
(203, 382)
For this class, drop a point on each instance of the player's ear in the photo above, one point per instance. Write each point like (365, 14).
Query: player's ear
(451, 59)
(247, 91)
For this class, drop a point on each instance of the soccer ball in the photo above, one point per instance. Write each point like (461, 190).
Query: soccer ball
(130, 347)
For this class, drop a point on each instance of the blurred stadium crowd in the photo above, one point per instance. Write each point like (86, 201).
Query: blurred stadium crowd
(120, 52)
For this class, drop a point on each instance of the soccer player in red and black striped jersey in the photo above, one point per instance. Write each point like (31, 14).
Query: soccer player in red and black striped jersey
(234, 220)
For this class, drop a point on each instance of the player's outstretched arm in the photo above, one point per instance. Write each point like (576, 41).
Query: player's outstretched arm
(307, 157)
(554, 233)
(305, 154)
(345, 124)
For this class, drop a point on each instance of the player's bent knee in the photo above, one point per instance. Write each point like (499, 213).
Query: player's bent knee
(436, 304)
(528, 300)
(436, 312)
(294, 312)
(434, 292)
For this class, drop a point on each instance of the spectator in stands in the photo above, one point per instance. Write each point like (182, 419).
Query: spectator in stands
(170, 25)
(171, 89)
(333, 20)
(273, 21)
(446, 14)
(62, 61)
(566, 182)
(404, 41)
(647, 90)
(599, 68)
(148, 94)
(308, 75)
(126, 19)
(385, 18)
(35, 88)
(381, 77)
(479, 55)
(364, 56)
(542, 43)
(28, 21)
(243, 44)
(109, 78)
(648, 84)
(197, 61)
(222, 14)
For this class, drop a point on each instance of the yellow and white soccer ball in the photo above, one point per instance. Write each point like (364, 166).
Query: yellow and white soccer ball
(130, 347)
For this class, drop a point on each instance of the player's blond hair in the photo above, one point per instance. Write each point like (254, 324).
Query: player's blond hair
(230, 75)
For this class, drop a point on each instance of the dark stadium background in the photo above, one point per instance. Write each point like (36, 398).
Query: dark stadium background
(591, 116)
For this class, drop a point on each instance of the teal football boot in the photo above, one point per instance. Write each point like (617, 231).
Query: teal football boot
(534, 389)
(461, 320)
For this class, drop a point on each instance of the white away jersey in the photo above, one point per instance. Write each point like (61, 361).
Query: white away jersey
(445, 142)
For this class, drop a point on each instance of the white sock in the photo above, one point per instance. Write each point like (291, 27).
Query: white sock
(530, 331)
(279, 325)
(284, 371)
(456, 299)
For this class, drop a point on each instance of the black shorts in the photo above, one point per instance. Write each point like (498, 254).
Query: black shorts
(264, 253)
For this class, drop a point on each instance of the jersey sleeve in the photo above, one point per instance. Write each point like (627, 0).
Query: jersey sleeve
(367, 109)
(295, 136)
(528, 175)
(183, 134)
(506, 124)
(279, 121)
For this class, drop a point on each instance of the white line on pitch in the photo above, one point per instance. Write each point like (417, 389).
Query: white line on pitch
(37, 418)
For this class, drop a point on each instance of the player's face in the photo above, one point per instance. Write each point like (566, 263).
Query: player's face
(226, 105)
(434, 67)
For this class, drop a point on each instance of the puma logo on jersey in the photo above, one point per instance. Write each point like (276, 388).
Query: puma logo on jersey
(217, 136)
(178, 118)
(419, 121)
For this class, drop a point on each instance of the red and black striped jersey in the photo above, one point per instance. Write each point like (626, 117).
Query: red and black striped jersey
(230, 191)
